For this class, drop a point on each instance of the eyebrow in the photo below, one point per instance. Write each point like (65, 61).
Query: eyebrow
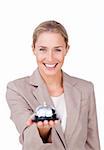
(43, 46)
(58, 46)
(54, 47)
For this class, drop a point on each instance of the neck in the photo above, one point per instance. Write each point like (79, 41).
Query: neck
(52, 80)
(54, 83)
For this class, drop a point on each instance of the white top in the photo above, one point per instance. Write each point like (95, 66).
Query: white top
(60, 106)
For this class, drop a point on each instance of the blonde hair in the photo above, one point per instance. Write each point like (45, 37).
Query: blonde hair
(50, 26)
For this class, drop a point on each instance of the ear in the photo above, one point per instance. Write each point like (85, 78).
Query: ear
(33, 49)
(67, 49)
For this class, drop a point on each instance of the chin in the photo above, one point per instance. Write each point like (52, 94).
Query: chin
(49, 72)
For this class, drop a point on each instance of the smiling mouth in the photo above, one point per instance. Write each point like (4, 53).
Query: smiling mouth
(50, 66)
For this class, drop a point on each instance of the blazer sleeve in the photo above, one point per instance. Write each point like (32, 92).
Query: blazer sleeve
(20, 112)
(93, 142)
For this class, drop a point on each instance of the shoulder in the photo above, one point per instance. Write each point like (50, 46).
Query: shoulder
(77, 81)
(18, 83)
(25, 82)
(81, 84)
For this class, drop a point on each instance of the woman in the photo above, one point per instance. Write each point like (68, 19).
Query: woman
(72, 98)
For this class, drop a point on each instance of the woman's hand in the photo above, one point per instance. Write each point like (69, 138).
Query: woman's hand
(44, 127)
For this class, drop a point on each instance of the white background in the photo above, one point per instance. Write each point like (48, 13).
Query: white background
(84, 21)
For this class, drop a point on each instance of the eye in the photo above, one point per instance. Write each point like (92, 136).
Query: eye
(58, 49)
(42, 49)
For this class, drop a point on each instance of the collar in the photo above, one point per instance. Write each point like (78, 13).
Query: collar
(36, 78)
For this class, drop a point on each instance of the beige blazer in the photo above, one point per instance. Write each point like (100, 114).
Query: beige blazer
(81, 133)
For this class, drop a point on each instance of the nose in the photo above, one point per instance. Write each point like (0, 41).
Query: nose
(50, 56)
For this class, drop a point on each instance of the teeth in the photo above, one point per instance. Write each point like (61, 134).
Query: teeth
(51, 66)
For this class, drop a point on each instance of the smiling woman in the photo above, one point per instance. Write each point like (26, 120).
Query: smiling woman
(73, 99)
(50, 45)
(50, 53)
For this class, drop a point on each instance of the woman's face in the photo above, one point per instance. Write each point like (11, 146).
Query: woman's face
(50, 50)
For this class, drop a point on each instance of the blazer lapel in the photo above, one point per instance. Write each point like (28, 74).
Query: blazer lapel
(72, 98)
(39, 89)
(41, 95)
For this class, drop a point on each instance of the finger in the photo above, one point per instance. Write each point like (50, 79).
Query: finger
(45, 122)
(51, 123)
(29, 122)
(56, 121)
(40, 124)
